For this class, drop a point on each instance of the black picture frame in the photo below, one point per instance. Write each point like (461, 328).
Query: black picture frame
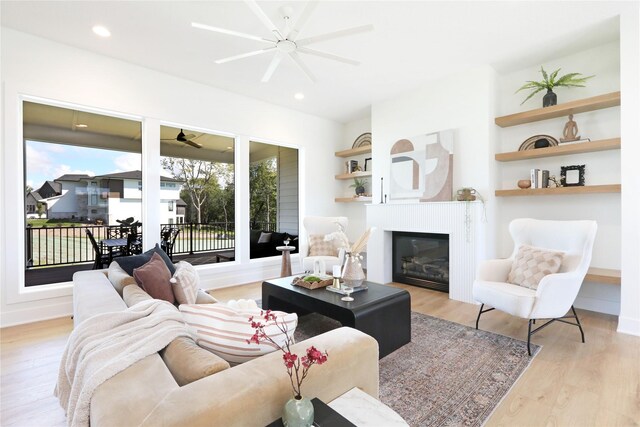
(570, 180)
(366, 164)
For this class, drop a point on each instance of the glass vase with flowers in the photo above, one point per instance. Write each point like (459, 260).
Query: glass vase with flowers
(298, 411)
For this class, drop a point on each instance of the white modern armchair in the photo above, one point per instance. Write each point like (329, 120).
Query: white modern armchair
(555, 292)
(320, 225)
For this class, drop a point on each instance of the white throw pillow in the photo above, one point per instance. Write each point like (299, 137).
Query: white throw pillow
(531, 264)
(185, 283)
(224, 331)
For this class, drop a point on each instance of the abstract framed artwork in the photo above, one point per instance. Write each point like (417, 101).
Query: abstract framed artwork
(422, 167)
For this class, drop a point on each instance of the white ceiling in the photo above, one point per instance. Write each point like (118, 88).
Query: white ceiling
(413, 41)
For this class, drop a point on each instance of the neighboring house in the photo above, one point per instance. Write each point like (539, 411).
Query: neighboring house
(108, 197)
(31, 204)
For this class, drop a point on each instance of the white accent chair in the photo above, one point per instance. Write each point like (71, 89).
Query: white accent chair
(556, 292)
(322, 225)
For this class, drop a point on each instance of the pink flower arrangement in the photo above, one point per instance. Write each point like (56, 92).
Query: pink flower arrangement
(292, 362)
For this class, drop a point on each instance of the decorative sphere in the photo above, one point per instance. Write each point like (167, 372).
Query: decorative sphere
(524, 183)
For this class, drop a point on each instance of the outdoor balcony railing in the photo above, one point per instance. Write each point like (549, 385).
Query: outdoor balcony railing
(53, 246)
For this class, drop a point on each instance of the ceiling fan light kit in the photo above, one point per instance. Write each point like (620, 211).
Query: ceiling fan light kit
(286, 42)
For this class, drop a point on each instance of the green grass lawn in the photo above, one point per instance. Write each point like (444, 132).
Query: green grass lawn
(54, 222)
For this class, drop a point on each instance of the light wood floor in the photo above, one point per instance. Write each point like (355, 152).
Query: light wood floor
(568, 383)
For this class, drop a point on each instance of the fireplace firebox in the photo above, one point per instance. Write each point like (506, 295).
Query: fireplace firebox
(421, 259)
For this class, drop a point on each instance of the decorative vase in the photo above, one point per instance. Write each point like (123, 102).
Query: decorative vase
(298, 412)
(352, 273)
(549, 99)
(524, 183)
(359, 190)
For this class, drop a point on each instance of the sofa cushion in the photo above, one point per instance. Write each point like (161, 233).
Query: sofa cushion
(188, 362)
(225, 331)
(128, 263)
(531, 264)
(118, 277)
(154, 278)
(134, 294)
(264, 237)
(185, 283)
(254, 236)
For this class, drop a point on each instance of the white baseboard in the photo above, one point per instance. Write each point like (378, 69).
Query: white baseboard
(36, 314)
(627, 325)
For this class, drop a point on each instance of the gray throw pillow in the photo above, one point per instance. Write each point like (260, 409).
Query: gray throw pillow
(128, 263)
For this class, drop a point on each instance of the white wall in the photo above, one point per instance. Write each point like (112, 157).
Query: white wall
(629, 320)
(35, 67)
(462, 102)
(601, 167)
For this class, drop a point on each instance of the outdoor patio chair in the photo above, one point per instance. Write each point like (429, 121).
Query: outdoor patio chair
(101, 258)
(168, 240)
(134, 243)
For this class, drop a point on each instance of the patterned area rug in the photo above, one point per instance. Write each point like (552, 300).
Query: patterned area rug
(449, 375)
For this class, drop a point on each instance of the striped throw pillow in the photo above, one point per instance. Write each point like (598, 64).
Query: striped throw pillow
(224, 331)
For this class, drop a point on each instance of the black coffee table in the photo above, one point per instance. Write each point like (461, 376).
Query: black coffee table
(384, 312)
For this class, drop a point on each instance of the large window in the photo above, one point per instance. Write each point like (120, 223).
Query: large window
(198, 176)
(273, 198)
(81, 173)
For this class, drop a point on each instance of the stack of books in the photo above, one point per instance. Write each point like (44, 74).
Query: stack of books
(539, 178)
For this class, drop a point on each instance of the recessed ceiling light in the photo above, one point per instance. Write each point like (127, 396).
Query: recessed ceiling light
(101, 31)
(299, 95)
(81, 125)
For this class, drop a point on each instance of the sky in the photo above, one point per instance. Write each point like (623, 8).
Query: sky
(47, 161)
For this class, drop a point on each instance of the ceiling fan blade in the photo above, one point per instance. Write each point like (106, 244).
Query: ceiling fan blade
(257, 10)
(335, 35)
(230, 32)
(245, 55)
(190, 136)
(296, 59)
(192, 143)
(327, 55)
(272, 67)
(302, 20)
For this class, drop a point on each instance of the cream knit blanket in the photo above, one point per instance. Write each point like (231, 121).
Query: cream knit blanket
(108, 343)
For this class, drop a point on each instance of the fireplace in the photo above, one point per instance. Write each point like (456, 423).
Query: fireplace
(421, 259)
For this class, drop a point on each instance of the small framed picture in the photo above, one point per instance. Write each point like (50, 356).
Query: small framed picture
(367, 164)
(572, 176)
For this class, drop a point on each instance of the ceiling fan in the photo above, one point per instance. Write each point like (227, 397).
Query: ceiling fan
(187, 139)
(286, 43)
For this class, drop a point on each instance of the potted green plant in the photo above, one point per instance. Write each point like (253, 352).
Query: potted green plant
(359, 185)
(549, 81)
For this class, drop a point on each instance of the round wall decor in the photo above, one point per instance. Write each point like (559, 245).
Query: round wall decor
(362, 140)
(538, 141)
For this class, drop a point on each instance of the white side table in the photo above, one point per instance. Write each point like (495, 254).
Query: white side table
(363, 410)
(285, 270)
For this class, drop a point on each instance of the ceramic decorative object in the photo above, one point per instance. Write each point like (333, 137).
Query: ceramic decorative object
(352, 273)
(524, 183)
(298, 413)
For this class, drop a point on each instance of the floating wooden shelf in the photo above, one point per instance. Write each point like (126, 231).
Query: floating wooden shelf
(353, 199)
(354, 151)
(354, 175)
(585, 189)
(572, 107)
(603, 275)
(561, 150)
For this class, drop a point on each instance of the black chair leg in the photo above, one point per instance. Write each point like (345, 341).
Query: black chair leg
(479, 313)
(578, 322)
(531, 321)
